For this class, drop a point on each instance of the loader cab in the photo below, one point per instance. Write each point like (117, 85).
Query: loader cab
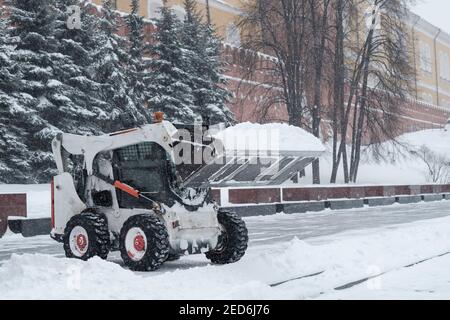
(144, 166)
(148, 168)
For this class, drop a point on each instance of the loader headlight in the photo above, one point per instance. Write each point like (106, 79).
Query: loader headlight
(158, 208)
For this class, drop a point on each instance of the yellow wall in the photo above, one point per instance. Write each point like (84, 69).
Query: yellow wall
(429, 86)
(444, 83)
(220, 18)
(432, 84)
(124, 6)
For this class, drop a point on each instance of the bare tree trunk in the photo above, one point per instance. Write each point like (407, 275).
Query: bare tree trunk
(285, 41)
(319, 25)
(362, 105)
(208, 13)
(351, 106)
(338, 86)
(354, 133)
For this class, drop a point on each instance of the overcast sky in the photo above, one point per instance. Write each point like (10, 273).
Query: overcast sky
(436, 12)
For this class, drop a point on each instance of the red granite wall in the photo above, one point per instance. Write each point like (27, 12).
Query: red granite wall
(11, 205)
(271, 195)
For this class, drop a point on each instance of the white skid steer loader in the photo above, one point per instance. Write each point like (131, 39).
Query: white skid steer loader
(124, 191)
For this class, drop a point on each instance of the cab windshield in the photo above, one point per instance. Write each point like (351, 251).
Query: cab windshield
(149, 168)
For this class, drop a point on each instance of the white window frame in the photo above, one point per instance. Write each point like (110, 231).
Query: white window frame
(369, 16)
(153, 7)
(179, 12)
(444, 66)
(427, 97)
(373, 81)
(233, 35)
(425, 57)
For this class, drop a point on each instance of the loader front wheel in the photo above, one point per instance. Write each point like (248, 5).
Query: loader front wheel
(144, 243)
(86, 235)
(232, 242)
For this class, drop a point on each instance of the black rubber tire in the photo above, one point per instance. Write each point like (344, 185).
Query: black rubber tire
(96, 226)
(233, 242)
(158, 246)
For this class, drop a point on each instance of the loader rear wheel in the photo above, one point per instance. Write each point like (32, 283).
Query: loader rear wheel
(144, 243)
(86, 235)
(233, 240)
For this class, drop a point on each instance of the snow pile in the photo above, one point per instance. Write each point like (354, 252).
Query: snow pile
(344, 258)
(273, 136)
(436, 140)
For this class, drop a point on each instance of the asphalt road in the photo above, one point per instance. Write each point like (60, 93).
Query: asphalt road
(269, 230)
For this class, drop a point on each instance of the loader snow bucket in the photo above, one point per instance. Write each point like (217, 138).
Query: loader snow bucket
(249, 171)
(252, 155)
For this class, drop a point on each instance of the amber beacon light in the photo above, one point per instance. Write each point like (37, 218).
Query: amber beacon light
(158, 117)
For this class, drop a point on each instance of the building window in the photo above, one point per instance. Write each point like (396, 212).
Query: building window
(425, 57)
(114, 4)
(444, 68)
(153, 9)
(427, 97)
(373, 81)
(233, 36)
(371, 15)
(179, 12)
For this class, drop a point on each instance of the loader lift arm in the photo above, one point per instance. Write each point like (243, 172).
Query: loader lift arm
(129, 190)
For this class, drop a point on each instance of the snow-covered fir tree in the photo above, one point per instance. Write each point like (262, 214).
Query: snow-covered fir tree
(168, 82)
(84, 80)
(110, 61)
(17, 115)
(34, 59)
(203, 65)
(136, 65)
(53, 85)
(76, 48)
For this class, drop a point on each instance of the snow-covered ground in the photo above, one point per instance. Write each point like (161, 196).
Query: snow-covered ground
(346, 245)
(322, 251)
(427, 281)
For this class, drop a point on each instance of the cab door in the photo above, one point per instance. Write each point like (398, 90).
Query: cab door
(144, 167)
